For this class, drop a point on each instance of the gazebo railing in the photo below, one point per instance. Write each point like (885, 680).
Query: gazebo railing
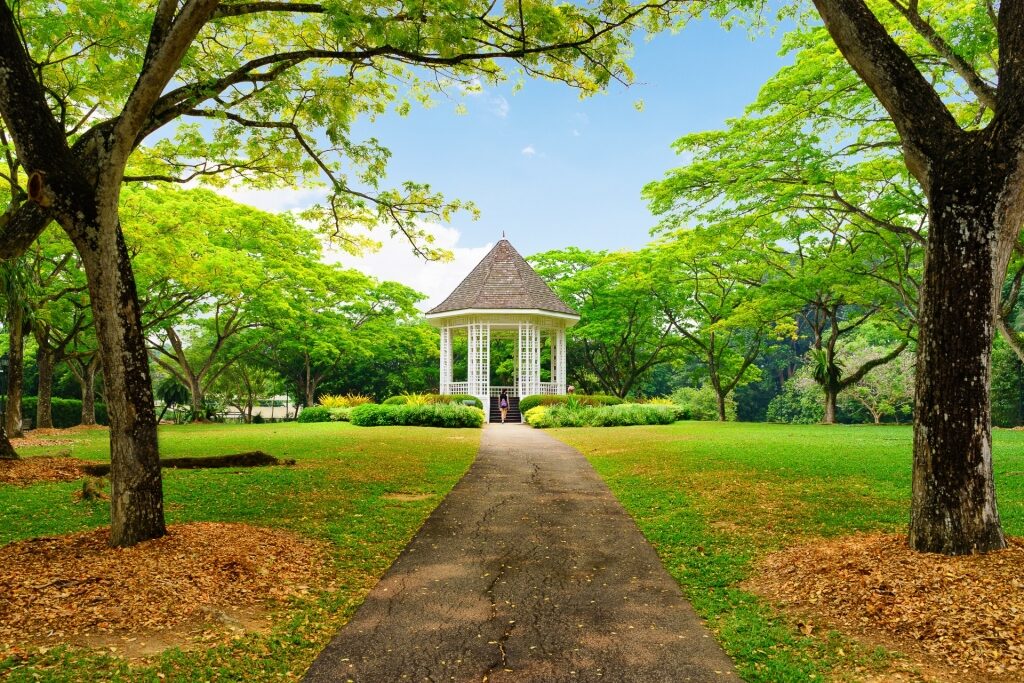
(458, 388)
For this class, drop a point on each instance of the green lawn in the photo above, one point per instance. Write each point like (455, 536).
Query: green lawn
(712, 498)
(335, 492)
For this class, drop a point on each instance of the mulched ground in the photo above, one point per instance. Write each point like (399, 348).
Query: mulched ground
(965, 612)
(37, 469)
(53, 588)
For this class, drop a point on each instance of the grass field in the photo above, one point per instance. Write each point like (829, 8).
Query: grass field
(335, 492)
(712, 498)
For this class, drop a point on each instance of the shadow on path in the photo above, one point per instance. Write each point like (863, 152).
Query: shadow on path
(529, 570)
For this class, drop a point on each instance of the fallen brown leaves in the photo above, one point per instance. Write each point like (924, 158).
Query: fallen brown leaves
(51, 588)
(966, 612)
(41, 468)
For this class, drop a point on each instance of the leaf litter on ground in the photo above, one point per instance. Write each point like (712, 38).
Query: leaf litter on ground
(966, 612)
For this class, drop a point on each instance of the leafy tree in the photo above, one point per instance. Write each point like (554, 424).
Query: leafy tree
(329, 318)
(967, 159)
(887, 389)
(622, 333)
(231, 279)
(276, 86)
(707, 286)
(242, 385)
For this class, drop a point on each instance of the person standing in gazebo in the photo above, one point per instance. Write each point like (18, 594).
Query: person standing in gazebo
(503, 404)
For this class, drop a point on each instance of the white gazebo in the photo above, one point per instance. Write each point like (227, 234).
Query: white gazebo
(503, 296)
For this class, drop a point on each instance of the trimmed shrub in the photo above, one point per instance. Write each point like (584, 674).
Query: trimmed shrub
(432, 399)
(67, 412)
(425, 415)
(577, 415)
(315, 414)
(341, 414)
(528, 402)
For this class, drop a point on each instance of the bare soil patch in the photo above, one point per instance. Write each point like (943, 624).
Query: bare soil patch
(404, 497)
(36, 469)
(75, 588)
(965, 614)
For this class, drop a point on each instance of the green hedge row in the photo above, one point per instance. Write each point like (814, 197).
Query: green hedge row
(434, 399)
(67, 412)
(322, 414)
(561, 415)
(528, 402)
(433, 415)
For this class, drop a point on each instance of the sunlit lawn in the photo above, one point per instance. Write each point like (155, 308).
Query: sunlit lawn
(714, 497)
(335, 492)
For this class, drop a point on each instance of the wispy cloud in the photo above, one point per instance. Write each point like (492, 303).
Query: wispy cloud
(529, 151)
(498, 106)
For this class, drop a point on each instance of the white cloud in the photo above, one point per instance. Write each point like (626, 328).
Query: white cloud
(276, 201)
(499, 106)
(529, 151)
(396, 261)
(576, 133)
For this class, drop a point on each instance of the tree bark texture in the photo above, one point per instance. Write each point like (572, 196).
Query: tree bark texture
(89, 393)
(15, 370)
(954, 502)
(44, 393)
(136, 500)
(7, 451)
(831, 398)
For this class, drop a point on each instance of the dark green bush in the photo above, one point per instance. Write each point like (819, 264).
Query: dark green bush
(67, 412)
(528, 402)
(431, 415)
(315, 414)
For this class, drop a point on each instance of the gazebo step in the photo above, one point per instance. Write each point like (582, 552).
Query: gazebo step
(513, 410)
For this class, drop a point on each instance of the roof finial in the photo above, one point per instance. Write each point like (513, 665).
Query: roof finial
(502, 234)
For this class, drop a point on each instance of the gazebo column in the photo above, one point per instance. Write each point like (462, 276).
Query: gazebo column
(446, 360)
(479, 370)
(529, 359)
(558, 363)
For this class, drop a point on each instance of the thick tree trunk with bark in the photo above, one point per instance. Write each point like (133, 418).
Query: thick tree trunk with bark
(44, 394)
(831, 399)
(954, 502)
(15, 370)
(7, 451)
(136, 500)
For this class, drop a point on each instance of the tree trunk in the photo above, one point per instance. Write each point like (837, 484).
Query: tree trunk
(7, 451)
(44, 403)
(15, 370)
(198, 400)
(954, 503)
(136, 500)
(831, 398)
(721, 406)
(89, 393)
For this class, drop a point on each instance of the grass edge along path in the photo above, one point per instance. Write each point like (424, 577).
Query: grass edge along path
(365, 492)
(713, 499)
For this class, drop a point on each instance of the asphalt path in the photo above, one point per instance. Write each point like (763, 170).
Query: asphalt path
(529, 571)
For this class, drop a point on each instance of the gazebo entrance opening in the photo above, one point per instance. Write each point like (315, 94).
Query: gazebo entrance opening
(483, 358)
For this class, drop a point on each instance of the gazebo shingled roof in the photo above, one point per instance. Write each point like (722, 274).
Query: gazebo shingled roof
(503, 280)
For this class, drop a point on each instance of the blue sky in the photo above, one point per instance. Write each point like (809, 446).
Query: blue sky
(549, 169)
(553, 170)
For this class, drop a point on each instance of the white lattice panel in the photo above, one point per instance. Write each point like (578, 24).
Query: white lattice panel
(446, 360)
(529, 359)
